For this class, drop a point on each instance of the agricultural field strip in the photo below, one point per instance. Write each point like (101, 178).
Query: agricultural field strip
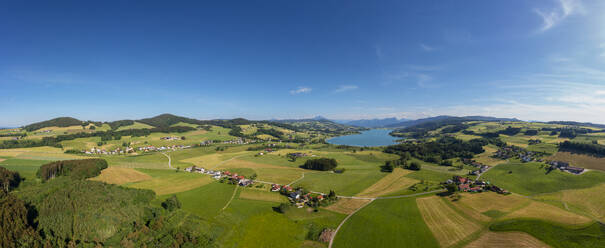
(368, 203)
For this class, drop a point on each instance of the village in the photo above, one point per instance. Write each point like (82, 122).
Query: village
(102, 151)
(480, 167)
(297, 196)
(523, 155)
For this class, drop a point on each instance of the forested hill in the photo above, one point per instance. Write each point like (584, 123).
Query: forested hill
(57, 122)
(166, 120)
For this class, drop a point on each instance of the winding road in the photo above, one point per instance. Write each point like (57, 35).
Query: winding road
(169, 160)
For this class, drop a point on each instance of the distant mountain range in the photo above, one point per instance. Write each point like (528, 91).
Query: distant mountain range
(373, 123)
(410, 123)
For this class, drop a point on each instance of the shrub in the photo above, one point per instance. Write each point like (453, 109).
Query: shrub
(172, 203)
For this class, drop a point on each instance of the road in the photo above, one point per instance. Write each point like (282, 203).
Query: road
(169, 161)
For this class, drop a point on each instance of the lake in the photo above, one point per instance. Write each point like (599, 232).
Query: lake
(372, 137)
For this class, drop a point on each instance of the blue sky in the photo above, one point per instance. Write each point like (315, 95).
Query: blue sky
(110, 60)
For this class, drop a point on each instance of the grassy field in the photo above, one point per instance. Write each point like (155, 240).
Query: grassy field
(38, 153)
(262, 195)
(347, 205)
(506, 240)
(479, 206)
(531, 179)
(447, 225)
(205, 201)
(546, 212)
(580, 160)
(555, 235)
(580, 200)
(386, 223)
(116, 175)
(135, 125)
(393, 182)
(27, 168)
(164, 182)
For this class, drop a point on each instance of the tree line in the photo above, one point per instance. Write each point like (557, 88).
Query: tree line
(587, 148)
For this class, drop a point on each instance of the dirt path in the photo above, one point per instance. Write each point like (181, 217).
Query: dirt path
(169, 160)
(345, 220)
(232, 196)
(303, 176)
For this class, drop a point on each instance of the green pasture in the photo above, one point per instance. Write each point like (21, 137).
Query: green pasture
(531, 178)
(386, 223)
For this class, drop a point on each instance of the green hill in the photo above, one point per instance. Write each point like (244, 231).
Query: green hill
(57, 122)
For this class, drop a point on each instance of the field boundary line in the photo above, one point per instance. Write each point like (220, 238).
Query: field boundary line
(372, 200)
(345, 220)
(232, 196)
(303, 176)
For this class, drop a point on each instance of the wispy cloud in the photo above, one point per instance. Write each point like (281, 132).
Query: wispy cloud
(566, 8)
(300, 90)
(423, 80)
(427, 48)
(344, 88)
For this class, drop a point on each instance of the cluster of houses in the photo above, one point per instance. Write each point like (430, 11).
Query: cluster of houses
(466, 184)
(162, 148)
(517, 152)
(297, 196)
(170, 138)
(480, 167)
(267, 150)
(118, 150)
(564, 166)
(232, 177)
(240, 141)
(300, 154)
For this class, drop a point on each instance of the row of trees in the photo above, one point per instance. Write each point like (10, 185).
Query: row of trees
(587, 148)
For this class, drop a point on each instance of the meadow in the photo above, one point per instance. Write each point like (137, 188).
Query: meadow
(386, 223)
(532, 179)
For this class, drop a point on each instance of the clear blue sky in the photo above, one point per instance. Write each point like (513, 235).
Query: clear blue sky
(110, 60)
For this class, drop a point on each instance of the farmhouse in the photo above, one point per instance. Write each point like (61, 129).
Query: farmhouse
(564, 166)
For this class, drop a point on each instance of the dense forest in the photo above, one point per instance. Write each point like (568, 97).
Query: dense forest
(75, 169)
(67, 211)
(57, 122)
(441, 149)
(322, 164)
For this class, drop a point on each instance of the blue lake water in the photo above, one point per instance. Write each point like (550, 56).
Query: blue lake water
(373, 137)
